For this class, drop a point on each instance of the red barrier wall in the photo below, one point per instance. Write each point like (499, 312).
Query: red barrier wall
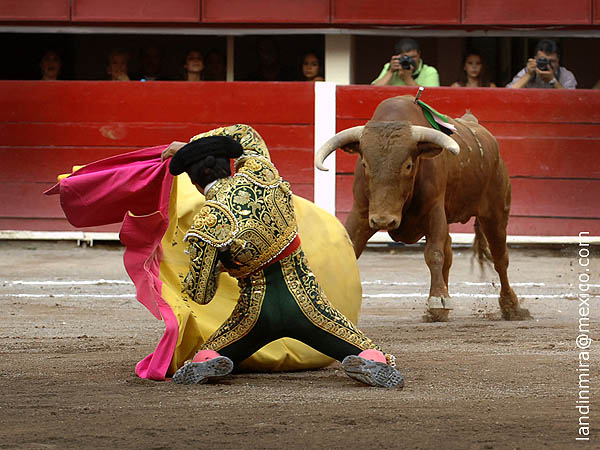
(135, 11)
(265, 11)
(391, 12)
(315, 12)
(38, 10)
(576, 12)
(47, 127)
(549, 140)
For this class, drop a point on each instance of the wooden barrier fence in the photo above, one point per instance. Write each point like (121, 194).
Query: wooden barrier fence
(550, 140)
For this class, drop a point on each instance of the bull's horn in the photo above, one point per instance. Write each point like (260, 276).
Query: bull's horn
(344, 137)
(424, 134)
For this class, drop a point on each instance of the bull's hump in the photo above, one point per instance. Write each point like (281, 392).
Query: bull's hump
(469, 117)
(399, 108)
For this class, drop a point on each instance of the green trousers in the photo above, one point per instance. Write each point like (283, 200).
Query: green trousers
(285, 300)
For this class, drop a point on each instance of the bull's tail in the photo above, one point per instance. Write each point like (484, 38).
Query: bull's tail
(481, 248)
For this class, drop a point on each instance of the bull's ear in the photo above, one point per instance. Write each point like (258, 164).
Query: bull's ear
(428, 150)
(353, 147)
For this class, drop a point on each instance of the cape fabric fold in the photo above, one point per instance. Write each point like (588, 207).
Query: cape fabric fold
(156, 210)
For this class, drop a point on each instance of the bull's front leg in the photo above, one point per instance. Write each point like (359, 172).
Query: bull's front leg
(437, 239)
(357, 223)
(357, 226)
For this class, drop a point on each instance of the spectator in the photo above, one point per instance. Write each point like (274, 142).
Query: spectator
(544, 71)
(311, 68)
(406, 68)
(151, 60)
(474, 72)
(269, 66)
(50, 65)
(118, 61)
(215, 69)
(194, 66)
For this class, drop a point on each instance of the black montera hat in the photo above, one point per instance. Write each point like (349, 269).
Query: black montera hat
(210, 147)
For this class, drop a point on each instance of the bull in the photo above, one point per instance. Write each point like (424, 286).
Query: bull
(412, 180)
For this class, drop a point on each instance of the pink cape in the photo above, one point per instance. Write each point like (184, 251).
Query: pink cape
(133, 188)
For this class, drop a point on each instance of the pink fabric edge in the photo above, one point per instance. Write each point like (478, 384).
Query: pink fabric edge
(146, 277)
(115, 185)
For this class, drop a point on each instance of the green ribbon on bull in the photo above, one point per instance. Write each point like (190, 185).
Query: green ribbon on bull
(437, 120)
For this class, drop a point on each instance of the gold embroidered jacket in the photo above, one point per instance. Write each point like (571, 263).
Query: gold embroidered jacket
(249, 215)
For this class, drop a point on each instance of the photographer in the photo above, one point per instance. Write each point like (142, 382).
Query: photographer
(544, 71)
(406, 68)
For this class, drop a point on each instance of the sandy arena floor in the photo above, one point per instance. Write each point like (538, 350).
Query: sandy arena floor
(69, 344)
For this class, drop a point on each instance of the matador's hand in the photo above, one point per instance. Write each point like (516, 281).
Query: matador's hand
(171, 149)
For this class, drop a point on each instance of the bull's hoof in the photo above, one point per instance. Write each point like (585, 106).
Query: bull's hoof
(516, 314)
(509, 306)
(436, 315)
(438, 309)
(440, 303)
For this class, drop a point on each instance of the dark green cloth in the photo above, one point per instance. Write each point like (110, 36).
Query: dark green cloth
(281, 316)
(429, 113)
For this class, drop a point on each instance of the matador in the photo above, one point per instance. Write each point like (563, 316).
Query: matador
(247, 228)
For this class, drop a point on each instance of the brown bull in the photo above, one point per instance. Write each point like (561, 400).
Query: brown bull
(406, 184)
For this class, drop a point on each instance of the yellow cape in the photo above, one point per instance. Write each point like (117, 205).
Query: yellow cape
(330, 255)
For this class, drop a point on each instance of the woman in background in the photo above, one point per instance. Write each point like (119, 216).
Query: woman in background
(474, 73)
(50, 65)
(311, 68)
(117, 67)
(194, 66)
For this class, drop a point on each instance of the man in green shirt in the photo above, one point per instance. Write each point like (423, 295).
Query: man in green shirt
(406, 68)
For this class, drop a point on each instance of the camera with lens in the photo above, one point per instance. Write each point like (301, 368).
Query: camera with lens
(543, 63)
(406, 62)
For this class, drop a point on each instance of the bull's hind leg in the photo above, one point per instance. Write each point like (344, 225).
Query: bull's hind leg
(495, 232)
(447, 259)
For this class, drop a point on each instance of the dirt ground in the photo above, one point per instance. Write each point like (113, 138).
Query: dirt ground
(69, 343)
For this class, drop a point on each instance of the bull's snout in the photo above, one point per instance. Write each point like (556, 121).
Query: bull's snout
(383, 222)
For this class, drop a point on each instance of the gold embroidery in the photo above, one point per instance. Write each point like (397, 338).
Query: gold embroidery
(244, 315)
(248, 137)
(251, 213)
(311, 299)
(200, 283)
(214, 224)
(264, 219)
(253, 165)
(242, 198)
(205, 218)
(259, 171)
